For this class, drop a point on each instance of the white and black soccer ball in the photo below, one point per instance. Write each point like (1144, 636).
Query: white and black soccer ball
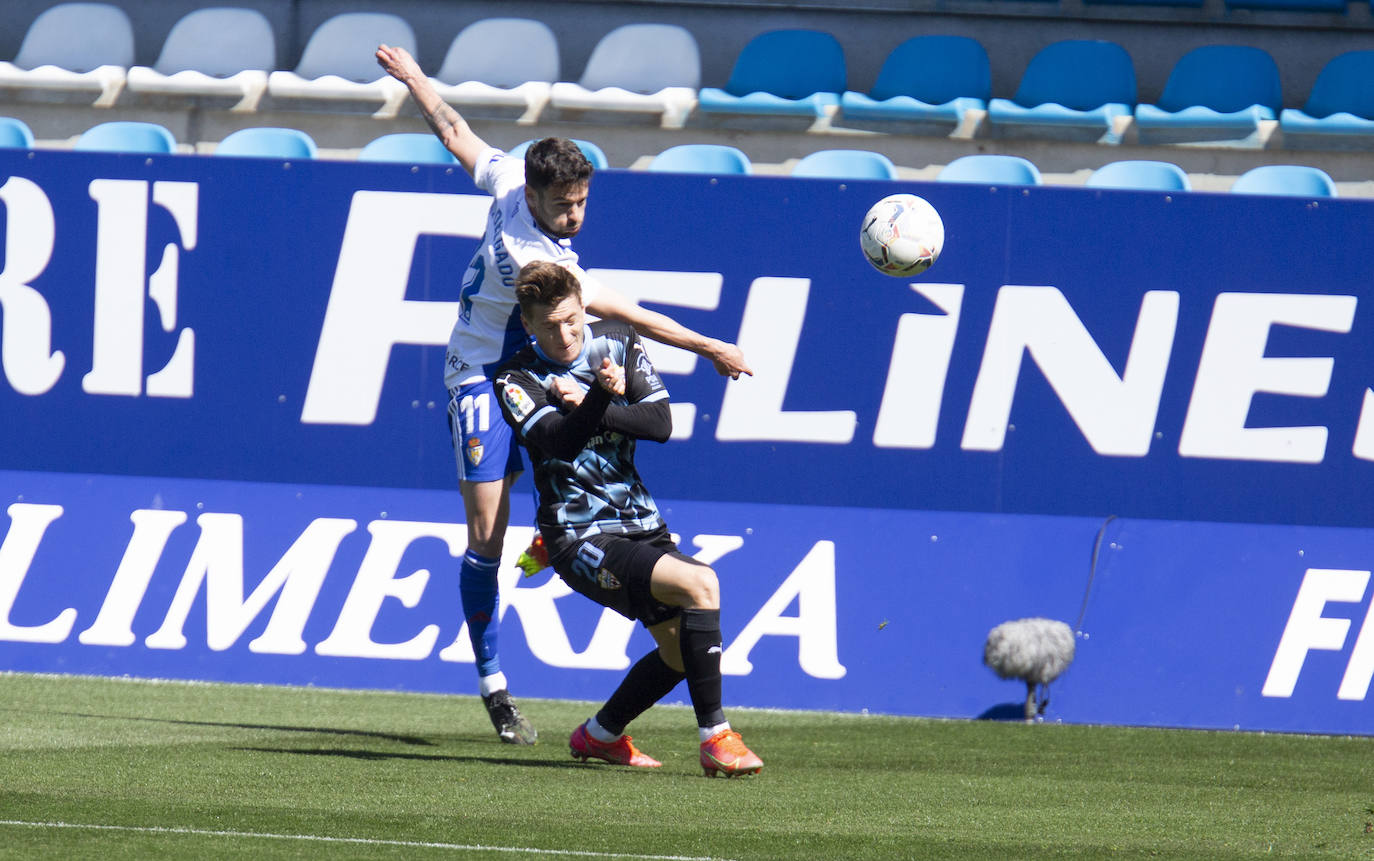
(902, 235)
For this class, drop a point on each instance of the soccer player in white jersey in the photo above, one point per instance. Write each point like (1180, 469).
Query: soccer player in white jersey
(538, 206)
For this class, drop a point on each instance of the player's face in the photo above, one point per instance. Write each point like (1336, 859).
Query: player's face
(558, 329)
(559, 209)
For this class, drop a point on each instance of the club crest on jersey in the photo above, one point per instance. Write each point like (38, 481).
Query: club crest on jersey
(606, 580)
(474, 451)
(519, 403)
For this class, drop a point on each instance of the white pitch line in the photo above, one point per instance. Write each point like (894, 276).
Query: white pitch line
(367, 841)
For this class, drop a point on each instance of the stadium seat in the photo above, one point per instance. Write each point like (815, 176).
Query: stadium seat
(991, 169)
(846, 164)
(652, 69)
(477, 71)
(1341, 103)
(80, 50)
(782, 73)
(126, 136)
(408, 147)
(339, 64)
(1197, 4)
(1287, 179)
(926, 79)
(15, 134)
(213, 52)
(593, 152)
(1074, 84)
(1152, 175)
(1216, 92)
(1336, 6)
(267, 142)
(701, 158)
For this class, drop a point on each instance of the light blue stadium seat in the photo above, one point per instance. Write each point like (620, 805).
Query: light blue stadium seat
(797, 73)
(268, 142)
(1213, 92)
(926, 79)
(126, 136)
(846, 164)
(409, 147)
(991, 169)
(1341, 102)
(15, 134)
(1295, 180)
(1151, 175)
(589, 149)
(1073, 84)
(701, 158)
(72, 52)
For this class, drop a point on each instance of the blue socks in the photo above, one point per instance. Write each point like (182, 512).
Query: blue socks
(477, 585)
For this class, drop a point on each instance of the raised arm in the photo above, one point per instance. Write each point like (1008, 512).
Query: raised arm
(453, 131)
(727, 358)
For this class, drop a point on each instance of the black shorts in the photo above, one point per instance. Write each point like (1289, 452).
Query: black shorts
(614, 571)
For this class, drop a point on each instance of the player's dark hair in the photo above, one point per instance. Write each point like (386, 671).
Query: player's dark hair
(544, 283)
(551, 162)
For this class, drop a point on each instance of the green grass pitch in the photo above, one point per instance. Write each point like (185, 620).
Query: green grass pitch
(111, 769)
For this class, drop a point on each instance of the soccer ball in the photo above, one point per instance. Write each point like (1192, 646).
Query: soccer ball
(902, 235)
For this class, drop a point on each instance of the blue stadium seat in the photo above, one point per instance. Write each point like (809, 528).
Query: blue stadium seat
(1341, 102)
(701, 158)
(1074, 84)
(1214, 92)
(15, 134)
(1288, 179)
(846, 164)
(990, 169)
(267, 142)
(797, 73)
(924, 79)
(589, 149)
(126, 136)
(409, 147)
(1150, 175)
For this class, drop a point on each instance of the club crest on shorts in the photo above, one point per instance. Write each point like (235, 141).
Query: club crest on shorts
(519, 403)
(474, 451)
(606, 580)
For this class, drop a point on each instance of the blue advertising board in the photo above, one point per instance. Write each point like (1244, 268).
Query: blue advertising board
(224, 452)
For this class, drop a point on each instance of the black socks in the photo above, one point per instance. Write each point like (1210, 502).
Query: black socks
(701, 651)
(647, 682)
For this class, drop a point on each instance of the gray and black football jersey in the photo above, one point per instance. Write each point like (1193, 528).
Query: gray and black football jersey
(584, 469)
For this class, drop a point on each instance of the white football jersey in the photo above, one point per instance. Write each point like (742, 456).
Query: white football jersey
(488, 329)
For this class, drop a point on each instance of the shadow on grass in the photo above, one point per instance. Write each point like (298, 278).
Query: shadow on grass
(1005, 712)
(361, 733)
(374, 755)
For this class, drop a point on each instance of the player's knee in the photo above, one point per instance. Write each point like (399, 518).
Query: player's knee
(704, 589)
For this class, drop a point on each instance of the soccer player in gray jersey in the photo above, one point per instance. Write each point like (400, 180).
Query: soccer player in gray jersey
(579, 397)
(538, 206)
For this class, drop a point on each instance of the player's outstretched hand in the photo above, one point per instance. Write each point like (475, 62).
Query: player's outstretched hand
(611, 376)
(398, 63)
(729, 361)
